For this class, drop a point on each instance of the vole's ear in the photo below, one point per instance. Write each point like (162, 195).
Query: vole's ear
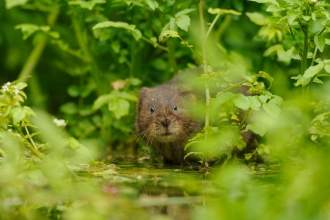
(187, 94)
(143, 92)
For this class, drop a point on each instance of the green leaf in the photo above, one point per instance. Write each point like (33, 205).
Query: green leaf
(73, 91)
(183, 22)
(152, 4)
(29, 111)
(272, 109)
(292, 17)
(257, 18)
(327, 67)
(319, 42)
(101, 100)
(120, 107)
(265, 75)
(222, 11)
(310, 73)
(257, 128)
(247, 156)
(172, 24)
(14, 3)
(27, 29)
(288, 43)
(18, 114)
(274, 8)
(327, 41)
(87, 4)
(167, 34)
(69, 108)
(220, 99)
(129, 27)
(254, 102)
(241, 101)
(21, 85)
(274, 2)
(184, 12)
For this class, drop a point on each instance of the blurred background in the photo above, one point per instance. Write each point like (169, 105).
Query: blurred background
(51, 44)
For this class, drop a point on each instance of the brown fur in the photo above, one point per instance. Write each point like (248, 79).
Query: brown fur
(169, 126)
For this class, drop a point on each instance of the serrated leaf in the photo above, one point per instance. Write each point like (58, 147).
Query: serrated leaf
(101, 100)
(310, 73)
(272, 109)
(327, 68)
(167, 34)
(291, 18)
(223, 11)
(27, 29)
(87, 4)
(69, 108)
(266, 1)
(152, 4)
(288, 43)
(120, 107)
(257, 128)
(257, 18)
(184, 12)
(241, 101)
(21, 85)
(265, 75)
(247, 156)
(183, 22)
(129, 27)
(14, 3)
(18, 114)
(274, 8)
(319, 41)
(327, 41)
(172, 23)
(254, 103)
(29, 111)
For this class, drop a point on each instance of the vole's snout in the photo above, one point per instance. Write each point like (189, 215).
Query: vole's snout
(166, 122)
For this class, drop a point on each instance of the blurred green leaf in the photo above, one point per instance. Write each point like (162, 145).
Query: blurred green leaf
(69, 108)
(257, 18)
(274, 2)
(272, 109)
(257, 128)
(18, 114)
(241, 101)
(87, 4)
(183, 22)
(120, 107)
(13, 3)
(129, 27)
(223, 11)
(319, 42)
(184, 12)
(310, 73)
(152, 4)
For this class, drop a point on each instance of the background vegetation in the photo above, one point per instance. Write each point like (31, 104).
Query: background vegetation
(84, 62)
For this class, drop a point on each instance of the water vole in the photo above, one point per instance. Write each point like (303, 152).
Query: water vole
(163, 121)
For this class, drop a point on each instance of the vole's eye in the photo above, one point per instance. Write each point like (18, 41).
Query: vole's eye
(175, 107)
(152, 110)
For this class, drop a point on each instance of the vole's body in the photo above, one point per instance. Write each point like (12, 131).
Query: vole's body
(164, 122)
(166, 115)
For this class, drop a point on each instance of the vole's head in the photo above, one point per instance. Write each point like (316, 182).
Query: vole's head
(162, 114)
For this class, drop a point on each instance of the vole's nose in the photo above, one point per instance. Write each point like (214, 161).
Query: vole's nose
(166, 122)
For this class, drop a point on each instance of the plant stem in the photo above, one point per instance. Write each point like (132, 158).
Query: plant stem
(83, 44)
(32, 146)
(213, 23)
(207, 89)
(156, 45)
(35, 55)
